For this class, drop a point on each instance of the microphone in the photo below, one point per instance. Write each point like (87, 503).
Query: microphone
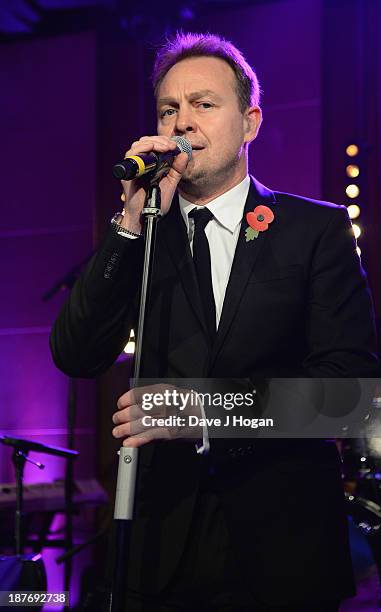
(135, 166)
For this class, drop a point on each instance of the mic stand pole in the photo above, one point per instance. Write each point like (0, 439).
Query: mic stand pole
(128, 457)
(69, 480)
(19, 458)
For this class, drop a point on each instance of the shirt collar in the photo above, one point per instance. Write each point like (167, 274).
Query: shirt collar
(227, 208)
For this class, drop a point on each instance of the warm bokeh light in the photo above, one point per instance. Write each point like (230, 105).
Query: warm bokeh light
(352, 191)
(353, 171)
(358, 251)
(353, 211)
(356, 230)
(352, 150)
(130, 346)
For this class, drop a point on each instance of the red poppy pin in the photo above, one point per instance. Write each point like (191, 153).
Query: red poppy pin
(258, 221)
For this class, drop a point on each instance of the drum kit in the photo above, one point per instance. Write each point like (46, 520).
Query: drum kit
(361, 459)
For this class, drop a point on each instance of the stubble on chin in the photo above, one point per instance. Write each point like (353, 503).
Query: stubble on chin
(197, 182)
(194, 181)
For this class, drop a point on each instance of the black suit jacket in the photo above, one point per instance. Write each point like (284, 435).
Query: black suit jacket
(297, 304)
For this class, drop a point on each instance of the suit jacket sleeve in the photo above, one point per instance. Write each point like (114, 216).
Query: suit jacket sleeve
(94, 323)
(340, 326)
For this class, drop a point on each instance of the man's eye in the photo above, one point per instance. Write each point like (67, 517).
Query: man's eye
(168, 112)
(206, 104)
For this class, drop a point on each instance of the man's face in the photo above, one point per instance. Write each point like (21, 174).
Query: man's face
(197, 99)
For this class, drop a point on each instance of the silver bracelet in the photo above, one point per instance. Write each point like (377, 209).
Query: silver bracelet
(122, 230)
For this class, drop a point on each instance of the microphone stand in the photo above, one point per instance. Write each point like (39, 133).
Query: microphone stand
(128, 457)
(21, 448)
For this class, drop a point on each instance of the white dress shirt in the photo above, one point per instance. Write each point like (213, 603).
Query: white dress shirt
(222, 233)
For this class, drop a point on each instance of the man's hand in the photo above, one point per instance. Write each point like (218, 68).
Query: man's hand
(136, 424)
(134, 192)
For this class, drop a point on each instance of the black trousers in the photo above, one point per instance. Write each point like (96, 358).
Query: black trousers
(208, 577)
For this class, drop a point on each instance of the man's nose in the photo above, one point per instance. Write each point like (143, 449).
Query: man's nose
(185, 121)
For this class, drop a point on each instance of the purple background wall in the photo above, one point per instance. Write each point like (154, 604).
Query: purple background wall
(48, 158)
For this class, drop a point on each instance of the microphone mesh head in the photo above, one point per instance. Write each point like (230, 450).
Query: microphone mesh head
(184, 145)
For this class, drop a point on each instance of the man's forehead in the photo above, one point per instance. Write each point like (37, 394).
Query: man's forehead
(207, 75)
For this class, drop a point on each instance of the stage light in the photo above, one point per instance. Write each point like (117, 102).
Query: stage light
(130, 346)
(358, 251)
(353, 211)
(352, 191)
(353, 171)
(352, 150)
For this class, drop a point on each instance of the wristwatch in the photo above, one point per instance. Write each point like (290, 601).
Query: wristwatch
(122, 231)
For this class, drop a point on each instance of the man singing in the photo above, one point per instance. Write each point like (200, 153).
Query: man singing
(278, 292)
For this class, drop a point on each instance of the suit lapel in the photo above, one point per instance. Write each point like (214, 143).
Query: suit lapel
(243, 263)
(176, 240)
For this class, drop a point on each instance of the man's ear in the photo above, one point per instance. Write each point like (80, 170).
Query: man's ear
(252, 122)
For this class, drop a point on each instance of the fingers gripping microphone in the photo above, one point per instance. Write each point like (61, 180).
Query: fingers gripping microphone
(135, 166)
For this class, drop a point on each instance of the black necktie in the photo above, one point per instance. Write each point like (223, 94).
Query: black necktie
(201, 259)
